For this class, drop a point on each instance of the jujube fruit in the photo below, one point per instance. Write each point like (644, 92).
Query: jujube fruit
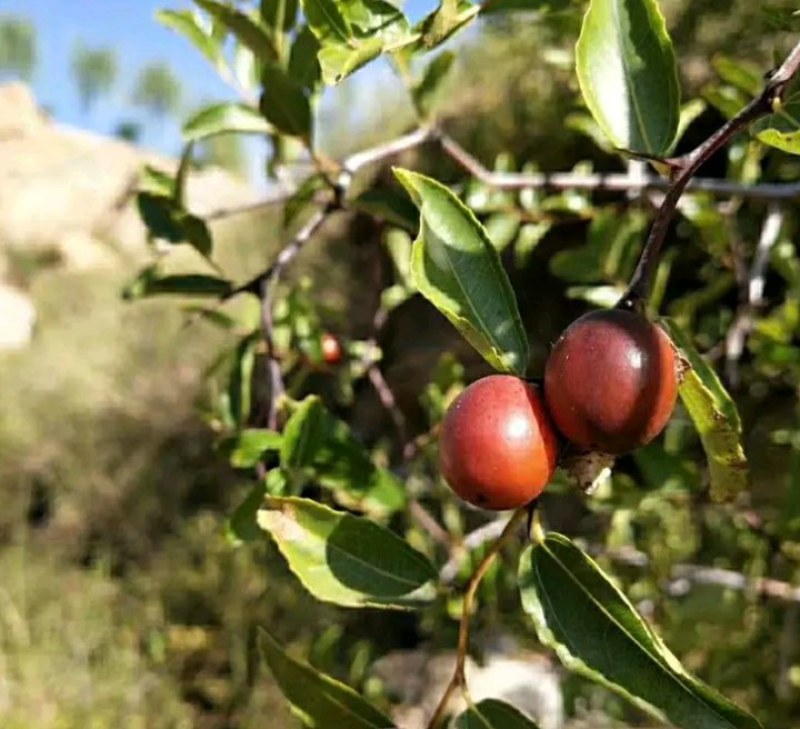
(611, 381)
(497, 448)
(331, 349)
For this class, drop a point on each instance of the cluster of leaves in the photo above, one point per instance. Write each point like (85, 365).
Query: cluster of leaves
(330, 504)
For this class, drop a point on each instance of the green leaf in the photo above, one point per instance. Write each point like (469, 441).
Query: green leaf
(303, 63)
(243, 525)
(340, 558)
(456, 267)
(251, 445)
(493, 714)
(627, 74)
(284, 102)
(156, 182)
(426, 93)
(596, 632)
(240, 382)
(188, 25)
(450, 17)
(248, 31)
(716, 418)
(326, 21)
(303, 197)
(782, 129)
(338, 60)
(320, 447)
(319, 701)
(149, 283)
(543, 6)
(160, 215)
(744, 77)
(280, 15)
(225, 118)
(530, 235)
(196, 233)
(389, 205)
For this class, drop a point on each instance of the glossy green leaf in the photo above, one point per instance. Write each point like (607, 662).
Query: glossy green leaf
(284, 102)
(716, 418)
(318, 446)
(456, 267)
(595, 631)
(340, 558)
(627, 74)
(240, 382)
(247, 29)
(782, 129)
(251, 445)
(225, 118)
(156, 182)
(319, 701)
(188, 25)
(493, 714)
(279, 15)
(326, 21)
(530, 235)
(150, 283)
(426, 93)
(303, 62)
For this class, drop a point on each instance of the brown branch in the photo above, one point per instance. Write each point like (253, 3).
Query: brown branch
(458, 681)
(684, 168)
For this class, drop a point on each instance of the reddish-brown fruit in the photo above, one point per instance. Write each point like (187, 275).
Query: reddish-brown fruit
(497, 448)
(331, 349)
(611, 381)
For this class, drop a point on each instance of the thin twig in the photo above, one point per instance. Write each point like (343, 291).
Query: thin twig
(684, 574)
(476, 538)
(743, 322)
(458, 680)
(685, 167)
(359, 160)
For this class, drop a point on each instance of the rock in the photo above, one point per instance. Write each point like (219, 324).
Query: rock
(17, 318)
(417, 680)
(57, 182)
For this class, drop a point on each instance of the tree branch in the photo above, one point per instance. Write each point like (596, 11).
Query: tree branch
(458, 680)
(701, 575)
(685, 167)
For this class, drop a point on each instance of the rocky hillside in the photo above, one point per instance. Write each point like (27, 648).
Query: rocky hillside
(67, 198)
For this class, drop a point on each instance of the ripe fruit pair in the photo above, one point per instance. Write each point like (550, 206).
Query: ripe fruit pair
(610, 385)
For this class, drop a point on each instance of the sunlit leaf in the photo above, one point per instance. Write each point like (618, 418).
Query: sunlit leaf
(716, 418)
(347, 560)
(627, 74)
(596, 632)
(246, 28)
(225, 118)
(456, 266)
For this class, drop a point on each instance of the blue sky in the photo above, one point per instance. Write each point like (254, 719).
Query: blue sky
(129, 27)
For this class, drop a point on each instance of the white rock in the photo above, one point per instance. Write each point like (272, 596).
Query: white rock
(17, 318)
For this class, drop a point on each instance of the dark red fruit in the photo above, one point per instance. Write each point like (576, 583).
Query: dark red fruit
(497, 448)
(331, 349)
(611, 381)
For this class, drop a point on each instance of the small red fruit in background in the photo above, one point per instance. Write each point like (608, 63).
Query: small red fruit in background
(331, 349)
(611, 381)
(497, 448)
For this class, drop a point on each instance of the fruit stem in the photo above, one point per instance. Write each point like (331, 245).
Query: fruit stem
(458, 681)
(683, 168)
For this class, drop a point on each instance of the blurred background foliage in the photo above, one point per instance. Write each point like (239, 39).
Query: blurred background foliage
(122, 601)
